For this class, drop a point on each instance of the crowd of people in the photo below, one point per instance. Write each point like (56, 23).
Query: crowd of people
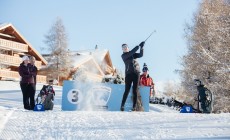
(28, 73)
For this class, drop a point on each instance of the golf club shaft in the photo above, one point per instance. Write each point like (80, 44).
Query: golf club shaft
(150, 35)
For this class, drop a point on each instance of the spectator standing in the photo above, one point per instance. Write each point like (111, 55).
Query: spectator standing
(146, 80)
(27, 83)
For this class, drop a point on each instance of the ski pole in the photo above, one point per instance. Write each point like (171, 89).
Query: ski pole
(150, 35)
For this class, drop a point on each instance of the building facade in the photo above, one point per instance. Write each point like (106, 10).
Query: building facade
(13, 46)
(95, 64)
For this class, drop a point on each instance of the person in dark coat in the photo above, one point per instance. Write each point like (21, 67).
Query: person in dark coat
(27, 83)
(132, 72)
(202, 95)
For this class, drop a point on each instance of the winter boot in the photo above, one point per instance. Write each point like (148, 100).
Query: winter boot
(122, 108)
(134, 109)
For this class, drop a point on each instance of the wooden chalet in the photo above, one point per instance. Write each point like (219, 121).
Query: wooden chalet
(12, 47)
(96, 62)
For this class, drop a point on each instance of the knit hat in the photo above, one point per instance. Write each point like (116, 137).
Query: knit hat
(145, 68)
(25, 58)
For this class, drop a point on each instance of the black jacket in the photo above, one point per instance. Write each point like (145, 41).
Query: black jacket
(201, 89)
(129, 58)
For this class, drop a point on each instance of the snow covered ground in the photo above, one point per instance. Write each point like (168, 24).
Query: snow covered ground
(160, 123)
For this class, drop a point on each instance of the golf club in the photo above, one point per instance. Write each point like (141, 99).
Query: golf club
(150, 35)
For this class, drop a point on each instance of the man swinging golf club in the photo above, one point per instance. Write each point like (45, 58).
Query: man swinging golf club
(132, 72)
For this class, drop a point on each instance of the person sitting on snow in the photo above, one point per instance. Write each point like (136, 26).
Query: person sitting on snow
(146, 80)
(47, 94)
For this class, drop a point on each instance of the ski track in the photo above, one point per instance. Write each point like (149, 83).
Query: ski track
(161, 122)
(113, 125)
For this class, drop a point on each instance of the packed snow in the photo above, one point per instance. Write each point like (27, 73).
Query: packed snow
(161, 122)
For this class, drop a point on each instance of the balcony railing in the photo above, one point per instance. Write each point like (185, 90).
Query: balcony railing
(9, 60)
(15, 76)
(15, 61)
(11, 45)
(41, 79)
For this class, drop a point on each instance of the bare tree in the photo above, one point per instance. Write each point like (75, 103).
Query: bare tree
(57, 45)
(208, 56)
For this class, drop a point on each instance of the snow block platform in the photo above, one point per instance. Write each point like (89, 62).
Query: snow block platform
(94, 96)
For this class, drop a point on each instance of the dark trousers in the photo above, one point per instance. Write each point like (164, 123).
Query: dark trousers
(130, 79)
(203, 104)
(28, 93)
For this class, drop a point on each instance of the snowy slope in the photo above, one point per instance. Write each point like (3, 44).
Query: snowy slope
(160, 123)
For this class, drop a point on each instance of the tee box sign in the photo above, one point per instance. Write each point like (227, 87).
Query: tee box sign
(76, 95)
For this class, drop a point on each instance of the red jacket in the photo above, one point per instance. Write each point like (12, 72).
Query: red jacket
(146, 80)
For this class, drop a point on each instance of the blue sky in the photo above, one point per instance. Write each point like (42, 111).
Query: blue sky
(109, 24)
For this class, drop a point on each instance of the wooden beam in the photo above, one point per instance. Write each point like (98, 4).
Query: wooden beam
(6, 35)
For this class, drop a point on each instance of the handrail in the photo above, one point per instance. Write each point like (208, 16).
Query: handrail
(15, 61)
(11, 45)
(15, 75)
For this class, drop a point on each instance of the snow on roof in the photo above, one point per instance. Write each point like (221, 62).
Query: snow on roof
(84, 55)
(3, 25)
(79, 59)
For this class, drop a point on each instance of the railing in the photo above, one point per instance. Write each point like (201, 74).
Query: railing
(41, 79)
(15, 76)
(38, 64)
(9, 74)
(11, 45)
(15, 61)
(9, 60)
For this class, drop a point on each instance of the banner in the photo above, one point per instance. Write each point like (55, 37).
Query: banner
(96, 96)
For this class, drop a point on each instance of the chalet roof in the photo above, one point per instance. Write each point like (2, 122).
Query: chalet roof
(80, 60)
(99, 55)
(14, 33)
(3, 25)
(96, 57)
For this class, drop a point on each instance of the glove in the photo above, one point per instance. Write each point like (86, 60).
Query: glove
(142, 44)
